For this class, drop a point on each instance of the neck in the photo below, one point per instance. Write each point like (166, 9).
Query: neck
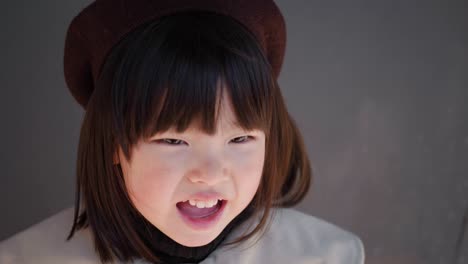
(170, 251)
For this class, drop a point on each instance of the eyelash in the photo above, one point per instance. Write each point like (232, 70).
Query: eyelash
(164, 140)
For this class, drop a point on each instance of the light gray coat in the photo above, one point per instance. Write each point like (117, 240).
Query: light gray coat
(293, 237)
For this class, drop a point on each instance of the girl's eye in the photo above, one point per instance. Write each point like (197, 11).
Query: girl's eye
(171, 141)
(243, 139)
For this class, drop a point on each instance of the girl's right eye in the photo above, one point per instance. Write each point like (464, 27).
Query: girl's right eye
(170, 141)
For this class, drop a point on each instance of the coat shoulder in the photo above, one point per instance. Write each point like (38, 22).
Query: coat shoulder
(46, 242)
(319, 237)
(296, 237)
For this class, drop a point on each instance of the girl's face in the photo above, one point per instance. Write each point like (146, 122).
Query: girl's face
(171, 168)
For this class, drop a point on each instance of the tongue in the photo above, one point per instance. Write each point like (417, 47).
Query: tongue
(195, 212)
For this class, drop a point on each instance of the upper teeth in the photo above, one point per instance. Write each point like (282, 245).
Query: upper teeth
(203, 204)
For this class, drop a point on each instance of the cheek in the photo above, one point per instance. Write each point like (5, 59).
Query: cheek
(253, 165)
(151, 182)
(249, 171)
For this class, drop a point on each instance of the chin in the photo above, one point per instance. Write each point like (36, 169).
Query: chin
(196, 242)
(195, 239)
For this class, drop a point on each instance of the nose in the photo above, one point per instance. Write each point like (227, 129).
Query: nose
(209, 169)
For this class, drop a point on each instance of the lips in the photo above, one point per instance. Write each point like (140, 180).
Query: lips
(201, 218)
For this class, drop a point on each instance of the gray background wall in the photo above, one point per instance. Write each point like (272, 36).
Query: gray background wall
(379, 89)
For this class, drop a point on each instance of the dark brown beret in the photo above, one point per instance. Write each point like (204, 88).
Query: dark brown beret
(99, 26)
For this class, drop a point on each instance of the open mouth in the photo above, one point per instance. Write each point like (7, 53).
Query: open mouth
(200, 215)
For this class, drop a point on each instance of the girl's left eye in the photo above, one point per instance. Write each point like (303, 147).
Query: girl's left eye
(176, 142)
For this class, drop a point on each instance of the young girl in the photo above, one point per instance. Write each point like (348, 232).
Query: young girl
(187, 153)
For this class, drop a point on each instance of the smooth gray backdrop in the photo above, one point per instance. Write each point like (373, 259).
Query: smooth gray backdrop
(378, 88)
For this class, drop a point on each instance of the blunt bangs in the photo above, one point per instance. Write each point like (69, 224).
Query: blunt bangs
(174, 71)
